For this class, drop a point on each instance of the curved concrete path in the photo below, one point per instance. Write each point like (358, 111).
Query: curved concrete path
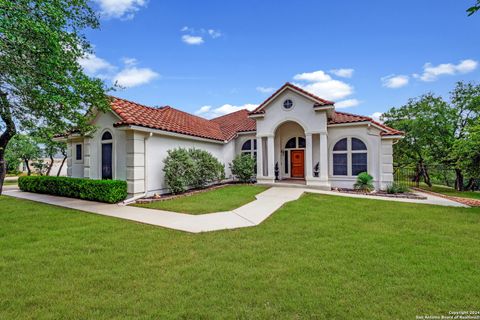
(249, 215)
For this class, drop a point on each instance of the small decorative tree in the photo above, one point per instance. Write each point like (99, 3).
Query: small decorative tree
(364, 182)
(277, 171)
(243, 167)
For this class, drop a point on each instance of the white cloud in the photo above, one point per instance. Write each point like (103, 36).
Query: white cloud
(214, 33)
(395, 81)
(322, 85)
(344, 73)
(210, 112)
(376, 116)
(431, 72)
(203, 110)
(133, 76)
(92, 64)
(348, 103)
(194, 36)
(129, 61)
(265, 89)
(315, 76)
(192, 40)
(123, 9)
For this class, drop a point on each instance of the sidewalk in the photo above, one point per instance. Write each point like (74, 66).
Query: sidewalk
(249, 215)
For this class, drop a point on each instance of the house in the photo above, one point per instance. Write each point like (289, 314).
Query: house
(312, 143)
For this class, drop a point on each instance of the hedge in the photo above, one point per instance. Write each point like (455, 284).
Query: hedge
(110, 191)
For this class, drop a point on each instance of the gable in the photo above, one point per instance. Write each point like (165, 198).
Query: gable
(288, 87)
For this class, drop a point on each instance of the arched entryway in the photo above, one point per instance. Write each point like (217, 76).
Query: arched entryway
(107, 155)
(290, 152)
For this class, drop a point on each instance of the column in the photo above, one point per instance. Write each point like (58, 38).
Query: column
(308, 156)
(259, 158)
(271, 156)
(135, 147)
(323, 157)
(87, 167)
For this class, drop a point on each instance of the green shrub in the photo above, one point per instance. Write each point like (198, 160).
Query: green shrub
(192, 168)
(364, 182)
(206, 168)
(110, 191)
(397, 188)
(243, 167)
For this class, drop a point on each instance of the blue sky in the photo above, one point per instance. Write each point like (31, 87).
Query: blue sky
(211, 57)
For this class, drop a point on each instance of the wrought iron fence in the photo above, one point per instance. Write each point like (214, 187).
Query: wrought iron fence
(409, 175)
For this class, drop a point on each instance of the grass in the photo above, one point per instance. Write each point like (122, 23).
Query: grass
(321, 257)
(9, 183)
(217, 200)
(451, 191)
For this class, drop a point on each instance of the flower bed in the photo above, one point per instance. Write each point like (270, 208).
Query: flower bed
(380, 193)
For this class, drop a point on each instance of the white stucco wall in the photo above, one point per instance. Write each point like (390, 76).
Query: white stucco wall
(302, 113)
(372, 139)
(158, 145)
(75, 167)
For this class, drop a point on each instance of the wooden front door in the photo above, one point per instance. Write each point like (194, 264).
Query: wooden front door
(298, 164)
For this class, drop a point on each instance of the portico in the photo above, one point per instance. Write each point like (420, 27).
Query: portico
(292, 137)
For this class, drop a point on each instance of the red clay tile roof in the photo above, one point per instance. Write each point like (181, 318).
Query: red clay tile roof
(173, 120)
(223, 128)
(322, 102)
(344, 117)
(235, 122)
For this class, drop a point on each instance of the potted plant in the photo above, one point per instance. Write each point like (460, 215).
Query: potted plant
(277, 171)
(316, 170)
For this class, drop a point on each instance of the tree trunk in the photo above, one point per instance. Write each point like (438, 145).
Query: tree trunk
(426, 176)
(3, 171)
(418, 173)
(10, 131)
(61, 166)
(29, 171)
(50, 166)
(459, 180)
(471, 185)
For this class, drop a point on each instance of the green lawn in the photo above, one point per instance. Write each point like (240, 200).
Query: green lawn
(9, 183)
(451, 191)
(321, 257)
(217, 200)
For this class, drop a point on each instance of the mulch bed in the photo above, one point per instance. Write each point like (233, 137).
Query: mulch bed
(466, 201)
(187, 193)
(379, 193)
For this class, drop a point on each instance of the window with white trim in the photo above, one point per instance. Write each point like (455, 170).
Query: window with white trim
(350, 157)
(250, 147)
(78, 152)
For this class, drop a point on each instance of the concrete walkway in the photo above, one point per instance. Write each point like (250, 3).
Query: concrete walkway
(249, 215)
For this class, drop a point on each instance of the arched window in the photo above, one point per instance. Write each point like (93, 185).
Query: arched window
(350, 157)
(291, 144)
(295, 142)
(107, 136)
(250, 147)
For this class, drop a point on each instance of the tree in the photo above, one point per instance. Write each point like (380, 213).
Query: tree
(41, 81)
(438, 132)
(51, 148)
(429, 124)
(465, 100)
(25, 148)
(473, 8)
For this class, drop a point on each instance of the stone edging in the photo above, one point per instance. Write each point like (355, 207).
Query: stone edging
(465, 201)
